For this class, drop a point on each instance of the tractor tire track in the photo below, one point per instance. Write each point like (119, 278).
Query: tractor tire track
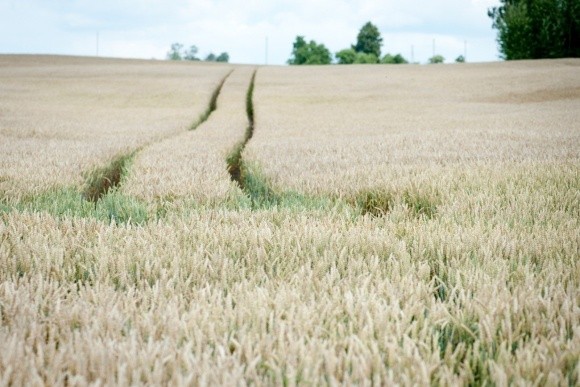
(192, 167)
(234, 160)
(110, 176)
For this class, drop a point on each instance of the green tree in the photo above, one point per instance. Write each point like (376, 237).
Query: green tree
(191, 54)
(346, 56)
(364, 58)
(369, 40)
(175, 52)
(436, 59)
(460, 59)
(350, 56)
(309, 53)
(534, 29)
(394, 59)
(223, 57)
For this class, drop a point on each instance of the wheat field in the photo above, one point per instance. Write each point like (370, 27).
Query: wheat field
(196, 167)
(60, 117)
(379, 225)
(343, 129)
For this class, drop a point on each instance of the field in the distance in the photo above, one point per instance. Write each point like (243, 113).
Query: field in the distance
(174, 223)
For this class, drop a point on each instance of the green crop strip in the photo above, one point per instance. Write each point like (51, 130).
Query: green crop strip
(99, 199)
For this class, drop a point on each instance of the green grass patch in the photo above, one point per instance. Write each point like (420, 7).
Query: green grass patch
(99, 199)
(121, 209)
(260, 195)
(60, 202)
(4, 208)
(69, 202)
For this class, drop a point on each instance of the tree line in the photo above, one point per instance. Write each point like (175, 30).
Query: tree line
(367, 49)
(177, 52)
(534, 29)
(526, 29)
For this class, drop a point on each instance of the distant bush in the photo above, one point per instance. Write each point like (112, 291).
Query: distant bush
(309, 53)
(363, 58)
(176, 52)
(350, 56)
(394, 59)
(436, 59)
(460, 59)
(223, 57)
(346, 56)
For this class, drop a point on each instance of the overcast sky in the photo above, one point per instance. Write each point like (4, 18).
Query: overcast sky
(147, 28)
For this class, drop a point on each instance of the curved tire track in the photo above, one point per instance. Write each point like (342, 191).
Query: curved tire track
(234, 161)
(110, 176)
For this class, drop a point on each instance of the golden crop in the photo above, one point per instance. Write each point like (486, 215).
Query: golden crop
(391, 225)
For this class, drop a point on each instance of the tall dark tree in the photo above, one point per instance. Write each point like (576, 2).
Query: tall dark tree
(369, 40)
(534, 29)
(309, 53)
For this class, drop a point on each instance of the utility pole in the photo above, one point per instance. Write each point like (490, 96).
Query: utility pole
(433, 47)
(412, 54)
(266, 54)
(97, 43)
(465, 50)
